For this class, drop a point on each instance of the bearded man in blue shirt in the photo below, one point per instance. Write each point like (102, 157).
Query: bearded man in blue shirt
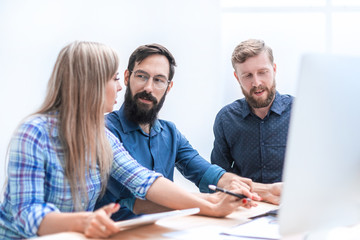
(157, 144)
(251, 133)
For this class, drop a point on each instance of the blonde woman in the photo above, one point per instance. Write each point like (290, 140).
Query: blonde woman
(61, 156)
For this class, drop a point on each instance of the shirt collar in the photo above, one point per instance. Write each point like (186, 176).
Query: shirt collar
(246, 109)
(129, 126)
(277, 106)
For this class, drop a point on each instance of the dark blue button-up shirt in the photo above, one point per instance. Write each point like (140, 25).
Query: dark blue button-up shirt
(250, 146)
(161, 150)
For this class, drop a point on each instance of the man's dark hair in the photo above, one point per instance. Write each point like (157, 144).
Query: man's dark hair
(144, 51)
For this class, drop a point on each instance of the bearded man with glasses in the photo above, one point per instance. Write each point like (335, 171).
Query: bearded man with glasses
(157, 144)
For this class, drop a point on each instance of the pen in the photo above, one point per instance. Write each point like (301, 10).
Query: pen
(273, 213)
(215, 188)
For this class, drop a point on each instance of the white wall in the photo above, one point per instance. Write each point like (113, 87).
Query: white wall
(201, 34)
(33, 32)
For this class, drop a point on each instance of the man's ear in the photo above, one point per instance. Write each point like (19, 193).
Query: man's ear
(274, 67)
(126, 77)
(237, 77)
(169, 87)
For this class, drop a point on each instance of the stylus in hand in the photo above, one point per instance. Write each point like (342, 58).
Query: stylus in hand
(241, 196)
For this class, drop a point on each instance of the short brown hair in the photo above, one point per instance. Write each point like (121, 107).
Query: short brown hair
(250, 48)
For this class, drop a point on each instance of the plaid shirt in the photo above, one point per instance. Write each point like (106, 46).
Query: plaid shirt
(37, 184)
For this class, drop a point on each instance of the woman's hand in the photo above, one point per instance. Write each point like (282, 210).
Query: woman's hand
(98, 224)
(225, 204)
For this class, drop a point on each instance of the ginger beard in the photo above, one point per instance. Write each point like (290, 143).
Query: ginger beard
(256, 102)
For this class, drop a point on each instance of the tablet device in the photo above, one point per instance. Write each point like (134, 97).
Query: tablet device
(152, 218)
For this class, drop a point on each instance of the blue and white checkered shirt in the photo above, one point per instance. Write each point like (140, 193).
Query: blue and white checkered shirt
(36, 180)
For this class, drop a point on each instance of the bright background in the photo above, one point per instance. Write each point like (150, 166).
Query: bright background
(201, 34)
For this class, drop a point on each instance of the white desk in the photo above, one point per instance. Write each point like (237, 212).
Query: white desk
(156, 231)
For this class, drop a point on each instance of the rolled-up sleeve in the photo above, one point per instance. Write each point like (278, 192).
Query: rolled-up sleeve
(128, 171)
(211, 176)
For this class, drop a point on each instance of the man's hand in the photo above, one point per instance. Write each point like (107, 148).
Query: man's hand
(233, 181)
(230, 178)
(270, 193)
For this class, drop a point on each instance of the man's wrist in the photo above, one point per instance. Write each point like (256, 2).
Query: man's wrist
(224, 180)
(260, 187)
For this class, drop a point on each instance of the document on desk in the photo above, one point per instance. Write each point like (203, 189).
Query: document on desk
(266, 227)
(204, 232)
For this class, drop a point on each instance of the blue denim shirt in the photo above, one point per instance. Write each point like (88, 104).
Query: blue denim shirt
(250, 146)
(161, 150)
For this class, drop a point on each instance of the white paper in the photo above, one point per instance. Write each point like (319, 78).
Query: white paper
(206, 232)
(260, 228)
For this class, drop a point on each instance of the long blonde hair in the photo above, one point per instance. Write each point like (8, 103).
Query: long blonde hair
(76, 91)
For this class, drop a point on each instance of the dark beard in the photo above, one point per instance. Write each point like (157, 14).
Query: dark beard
(260, 104)
(138, 112)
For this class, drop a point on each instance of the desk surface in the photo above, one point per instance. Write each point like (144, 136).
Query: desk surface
(156, 231)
